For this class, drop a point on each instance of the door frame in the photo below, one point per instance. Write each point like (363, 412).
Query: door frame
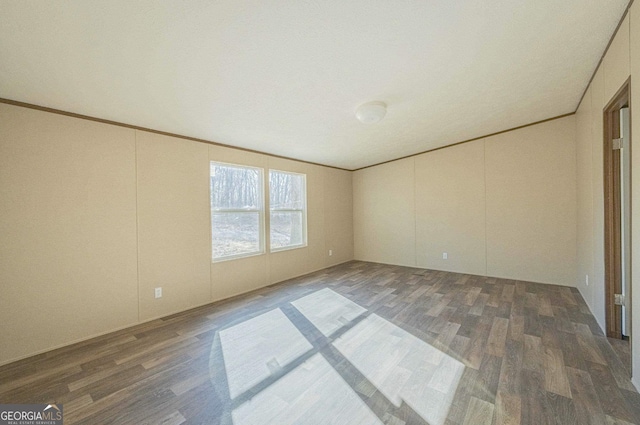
(612, 209)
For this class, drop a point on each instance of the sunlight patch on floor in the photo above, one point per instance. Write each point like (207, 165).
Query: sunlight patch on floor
(312, 393)
(259, 347)
(327, 310)
(403, 367)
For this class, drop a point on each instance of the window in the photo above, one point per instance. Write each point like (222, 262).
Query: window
(237, 211)
(288, 210)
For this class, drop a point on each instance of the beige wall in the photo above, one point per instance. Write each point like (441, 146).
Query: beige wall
(531, 203)
(621, 61)
(502, 206)
(384, 224)
(68, 230)
(338, 219)
(450, 209)
(615, 64)
(590, 193)
(95, 216)
(585, 199)
(173, 224)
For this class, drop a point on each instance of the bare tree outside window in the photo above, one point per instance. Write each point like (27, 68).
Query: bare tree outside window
(287, 207)
(236, 211)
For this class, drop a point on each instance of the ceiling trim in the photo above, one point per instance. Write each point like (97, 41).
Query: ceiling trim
(469, 140)
(595, 71)
(150, 130)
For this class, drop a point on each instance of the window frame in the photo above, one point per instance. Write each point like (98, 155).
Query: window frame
(261, 212)
(305, 241)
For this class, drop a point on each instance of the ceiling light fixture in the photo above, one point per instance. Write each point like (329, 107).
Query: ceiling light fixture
(371, 112)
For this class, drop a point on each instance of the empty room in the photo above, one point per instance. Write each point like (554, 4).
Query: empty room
(306, 212)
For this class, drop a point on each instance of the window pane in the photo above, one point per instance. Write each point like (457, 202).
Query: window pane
(235, 233)
(235, 187)
(286, 190)
(286, 229)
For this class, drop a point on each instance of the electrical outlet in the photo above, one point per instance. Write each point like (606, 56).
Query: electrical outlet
(445, 256)
(330, 252)
(158, 292)
(586, 279)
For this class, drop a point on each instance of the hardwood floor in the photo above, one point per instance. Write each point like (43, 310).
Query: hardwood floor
(357, 343)
(622, 347)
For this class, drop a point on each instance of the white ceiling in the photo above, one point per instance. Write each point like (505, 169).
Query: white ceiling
(285, 77)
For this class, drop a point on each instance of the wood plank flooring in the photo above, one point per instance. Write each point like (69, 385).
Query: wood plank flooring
(622, 347)
(356, 343)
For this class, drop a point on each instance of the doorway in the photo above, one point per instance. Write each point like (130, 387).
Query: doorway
(617, 211)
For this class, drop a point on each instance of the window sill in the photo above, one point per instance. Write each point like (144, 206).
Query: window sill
(287, 248)
(236, 257)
